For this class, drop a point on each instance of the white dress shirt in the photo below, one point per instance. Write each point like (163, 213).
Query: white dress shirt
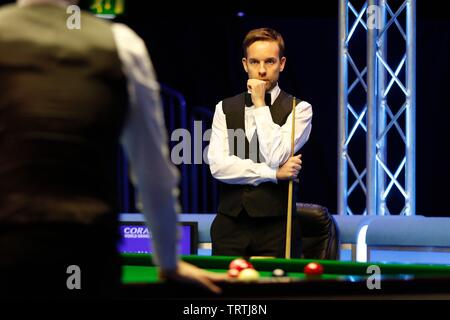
(145, 141)
(274, 143)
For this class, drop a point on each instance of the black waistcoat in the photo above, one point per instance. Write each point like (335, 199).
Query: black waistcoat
(267, 199)
(63, 101)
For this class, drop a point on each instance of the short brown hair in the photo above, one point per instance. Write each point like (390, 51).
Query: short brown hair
(263, 34)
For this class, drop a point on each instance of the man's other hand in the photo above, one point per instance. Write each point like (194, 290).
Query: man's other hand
(189, 273)
(290, 169)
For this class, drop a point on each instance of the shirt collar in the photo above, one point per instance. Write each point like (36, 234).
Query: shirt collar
(274, 93)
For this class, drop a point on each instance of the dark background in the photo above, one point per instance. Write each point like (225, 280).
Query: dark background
(196, 49)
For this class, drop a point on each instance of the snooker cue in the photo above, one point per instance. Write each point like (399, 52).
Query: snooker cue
(291, 185)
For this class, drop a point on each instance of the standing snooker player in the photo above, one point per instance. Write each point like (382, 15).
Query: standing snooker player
(250, 154)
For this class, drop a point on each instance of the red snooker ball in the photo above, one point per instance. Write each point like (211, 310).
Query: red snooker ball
(240, 264)
(313, 268)
(233, 273)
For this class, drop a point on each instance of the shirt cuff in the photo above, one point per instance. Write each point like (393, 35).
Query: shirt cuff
(165, 261)
(268, 173)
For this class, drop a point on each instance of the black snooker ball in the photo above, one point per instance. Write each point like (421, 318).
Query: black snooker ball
(279, 273)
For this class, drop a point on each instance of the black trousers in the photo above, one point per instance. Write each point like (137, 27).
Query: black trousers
(247, 236)
(35, 261)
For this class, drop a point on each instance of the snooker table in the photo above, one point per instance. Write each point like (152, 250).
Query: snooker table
(341, 280)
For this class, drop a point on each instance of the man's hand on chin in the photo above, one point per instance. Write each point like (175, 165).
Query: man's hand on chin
(258, 90)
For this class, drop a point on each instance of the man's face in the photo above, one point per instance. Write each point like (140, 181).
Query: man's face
(263, 62)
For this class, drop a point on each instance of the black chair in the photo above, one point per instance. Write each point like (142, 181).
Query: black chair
(319, 232)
